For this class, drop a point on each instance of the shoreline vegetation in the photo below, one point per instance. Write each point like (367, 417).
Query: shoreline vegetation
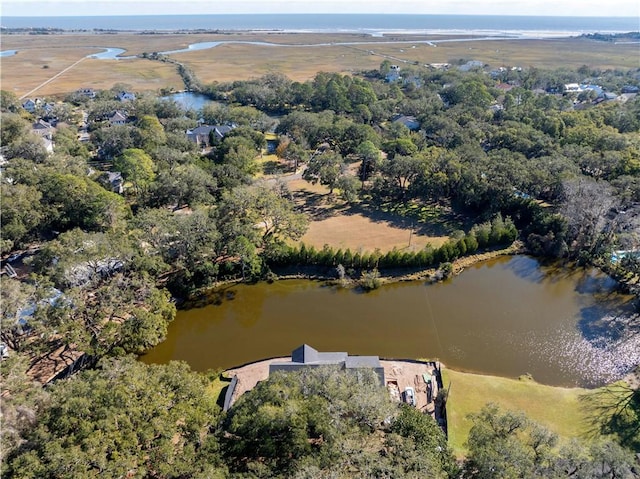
(401, 274)
(390, 276)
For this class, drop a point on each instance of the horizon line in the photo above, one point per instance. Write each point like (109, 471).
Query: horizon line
(322, 13)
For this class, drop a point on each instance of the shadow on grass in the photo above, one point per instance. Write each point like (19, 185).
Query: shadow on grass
(425, 219)
(274, 167)
(614, 410)
(318, 206)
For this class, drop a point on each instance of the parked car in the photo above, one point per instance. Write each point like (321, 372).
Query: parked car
(409, 396)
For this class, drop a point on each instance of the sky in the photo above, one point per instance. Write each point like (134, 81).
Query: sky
(611, 8)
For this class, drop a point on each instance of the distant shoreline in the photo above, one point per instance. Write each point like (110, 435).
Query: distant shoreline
(368, 24)
(471, 34)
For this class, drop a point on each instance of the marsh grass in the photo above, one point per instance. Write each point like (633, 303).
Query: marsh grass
(24, 71)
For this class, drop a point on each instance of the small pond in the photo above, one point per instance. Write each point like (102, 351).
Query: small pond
(189, 100)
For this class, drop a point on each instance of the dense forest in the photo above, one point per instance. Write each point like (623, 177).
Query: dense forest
(125, 419)
(107, 261)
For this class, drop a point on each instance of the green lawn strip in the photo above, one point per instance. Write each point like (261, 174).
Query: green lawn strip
(558, 409)
(217, 387)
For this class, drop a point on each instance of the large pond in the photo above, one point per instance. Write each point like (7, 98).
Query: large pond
(507, 317)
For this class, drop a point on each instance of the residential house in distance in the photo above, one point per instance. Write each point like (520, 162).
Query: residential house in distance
(126, 96)
(571, 88)
(49, 113)
(305, 357)
(45, 131)
(42, 129)
(119, 117)
(112, 181)
(202, 134)
(88, 92)
(31, 105)
(579, 88)
(393, 75)
(471, 65)
(115, 181)
(439, 66)
(410, 122)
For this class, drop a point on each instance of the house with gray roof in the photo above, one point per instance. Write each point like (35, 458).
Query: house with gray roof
(126, 96)
(114, 181)
(202, 134)
(119, 117)
(305, 356)
(409, 121)
(393, 74)
(88, 92)
(31, 105)
(42, 129)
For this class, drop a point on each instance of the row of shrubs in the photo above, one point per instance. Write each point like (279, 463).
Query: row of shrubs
(494, 233)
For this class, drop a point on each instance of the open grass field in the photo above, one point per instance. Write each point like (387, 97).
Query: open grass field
(339, 225)
(558, 409)
(298, 59)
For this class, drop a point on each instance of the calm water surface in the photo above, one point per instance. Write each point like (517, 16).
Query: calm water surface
(190, 100)
(506, 317)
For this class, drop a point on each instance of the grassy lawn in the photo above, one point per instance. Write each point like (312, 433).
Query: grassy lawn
(217, 388)
(361, 227)
(430, 217)
(558, 409)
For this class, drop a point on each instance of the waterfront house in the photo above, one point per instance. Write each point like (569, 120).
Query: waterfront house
(307, 357)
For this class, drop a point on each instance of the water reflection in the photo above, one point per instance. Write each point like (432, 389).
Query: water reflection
(507, 317)
(189, 100)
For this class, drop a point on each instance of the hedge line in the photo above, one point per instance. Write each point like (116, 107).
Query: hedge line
(496, 232)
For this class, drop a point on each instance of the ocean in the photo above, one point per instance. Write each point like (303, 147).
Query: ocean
(365, 23)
